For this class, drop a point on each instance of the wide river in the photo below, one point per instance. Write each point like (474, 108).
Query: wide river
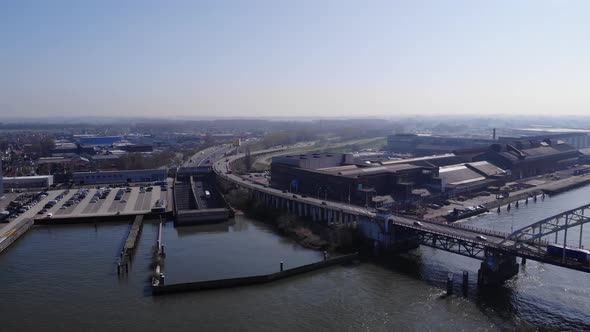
(63, 278)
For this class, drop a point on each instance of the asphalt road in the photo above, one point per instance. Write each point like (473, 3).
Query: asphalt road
(208, 156)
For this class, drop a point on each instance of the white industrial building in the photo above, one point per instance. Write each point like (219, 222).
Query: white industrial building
(104, 177)
(40, 181)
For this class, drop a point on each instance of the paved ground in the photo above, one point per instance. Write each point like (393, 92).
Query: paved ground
(130, 203)
(31, 213)
(563, 178)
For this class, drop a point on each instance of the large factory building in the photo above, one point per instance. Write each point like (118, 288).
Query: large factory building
(332, 176)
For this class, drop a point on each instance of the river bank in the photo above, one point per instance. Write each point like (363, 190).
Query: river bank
(316, 236)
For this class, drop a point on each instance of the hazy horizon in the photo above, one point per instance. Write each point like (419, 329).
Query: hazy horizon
(252, 59)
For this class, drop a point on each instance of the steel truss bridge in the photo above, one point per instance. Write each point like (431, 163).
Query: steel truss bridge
(529, 242)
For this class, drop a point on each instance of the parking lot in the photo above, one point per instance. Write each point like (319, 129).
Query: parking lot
(101, 202)
(85, 202)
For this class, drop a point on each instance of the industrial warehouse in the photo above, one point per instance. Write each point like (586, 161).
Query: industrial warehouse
(341, 178)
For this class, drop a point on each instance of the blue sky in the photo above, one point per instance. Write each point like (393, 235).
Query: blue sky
(294, 58)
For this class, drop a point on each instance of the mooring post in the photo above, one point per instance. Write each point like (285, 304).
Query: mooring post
(162, 279)
(450, 284)
(281, 266)
(118, 268)
(325, 255)
(465, 282)
(523, 261)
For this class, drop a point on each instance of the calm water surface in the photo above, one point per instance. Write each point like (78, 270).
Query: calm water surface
(63, 278)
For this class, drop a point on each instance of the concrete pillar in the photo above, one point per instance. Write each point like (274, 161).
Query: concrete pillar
(449, 284)
(497, 268)
(465, 282)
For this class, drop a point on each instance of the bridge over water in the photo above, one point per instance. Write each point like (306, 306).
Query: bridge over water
(497, 250)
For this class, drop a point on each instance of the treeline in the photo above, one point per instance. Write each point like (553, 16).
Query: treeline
(289, 137)
(322, 131)
(137, 160)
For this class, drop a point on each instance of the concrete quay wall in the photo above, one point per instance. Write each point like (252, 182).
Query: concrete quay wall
(197, 217)
(110, 217)
(21, 229)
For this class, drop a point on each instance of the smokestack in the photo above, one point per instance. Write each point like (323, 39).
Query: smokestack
(494, 134)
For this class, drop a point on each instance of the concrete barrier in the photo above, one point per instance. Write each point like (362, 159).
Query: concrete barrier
(133, 235)
(251, 280)
(19, 230)
(89, 219)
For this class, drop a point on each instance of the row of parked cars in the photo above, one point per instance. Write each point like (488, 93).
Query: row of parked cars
(52, 203)
(76, 198)
(120, 194)
(21, 204)
(101, 193)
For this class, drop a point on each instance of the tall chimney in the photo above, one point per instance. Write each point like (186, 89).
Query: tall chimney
(494, 134)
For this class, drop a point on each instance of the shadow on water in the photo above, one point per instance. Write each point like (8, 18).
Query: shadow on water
(529, 313)
(222, 227)
(506, 306)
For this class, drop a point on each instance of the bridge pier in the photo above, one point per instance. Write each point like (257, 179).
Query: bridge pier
(496, 268)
